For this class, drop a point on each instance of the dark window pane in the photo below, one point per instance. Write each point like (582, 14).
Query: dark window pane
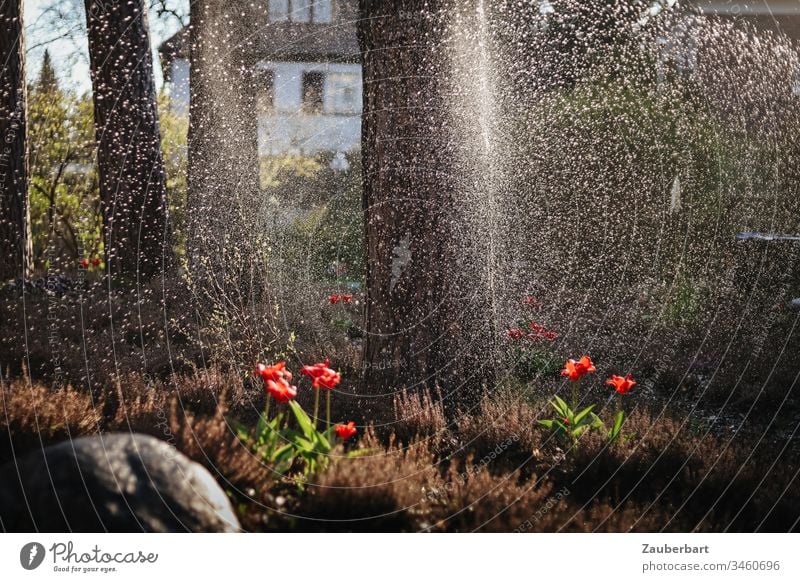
(313, 82)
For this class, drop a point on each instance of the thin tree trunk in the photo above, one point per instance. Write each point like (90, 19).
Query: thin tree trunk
(132, 181)
(424, 326)
(223, 170)
(16, 250)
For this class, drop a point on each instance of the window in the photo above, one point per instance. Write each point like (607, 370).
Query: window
(323, 11)
(301, 10)
(278, 10)
(313, 82)
(344, 93)
(265, 91)
(319, 11)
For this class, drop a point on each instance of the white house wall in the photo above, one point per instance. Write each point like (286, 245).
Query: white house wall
(286, 129)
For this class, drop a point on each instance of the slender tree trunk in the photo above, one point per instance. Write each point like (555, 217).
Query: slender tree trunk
(16, 251)
(132, 181)
(424, 326)
(223, 138)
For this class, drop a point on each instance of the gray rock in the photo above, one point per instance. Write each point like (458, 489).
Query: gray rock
(114, 482)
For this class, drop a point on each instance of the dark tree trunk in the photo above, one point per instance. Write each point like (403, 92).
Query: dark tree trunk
(424, 326)
(223, 138)
(132, 181)
(15, 240)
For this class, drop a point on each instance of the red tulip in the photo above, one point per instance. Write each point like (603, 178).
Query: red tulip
(531, 301)
(84, 263)
(321, 375)
(276, 379)
(346, 298)
(334, 299)
(281, 390)
(515, 333)
(540, 332)
(536, 327)
(274, 373)
(620, 384)
(95, 262)
(345, 431)
(576, 370)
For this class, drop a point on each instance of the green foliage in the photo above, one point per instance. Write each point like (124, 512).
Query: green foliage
(64, 192)
(616, 428)
(66, 218)
(684, 303)
(569, 425)
(328, 228)
(532, 362)
(302, 449)
(174, 149)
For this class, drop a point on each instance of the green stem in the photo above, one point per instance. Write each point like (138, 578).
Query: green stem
(328, 408)
(575, 385)
(266, 409)
(316, 407)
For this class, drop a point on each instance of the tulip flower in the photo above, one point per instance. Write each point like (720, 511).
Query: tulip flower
(95, 262)
(345, 431)
(281, 390)
(515, 333)
(531, 301)
(576, 370)
(276, 380)
(322, 377)
(333, 299)
(274, 373)
(620, 384)
(84, 263)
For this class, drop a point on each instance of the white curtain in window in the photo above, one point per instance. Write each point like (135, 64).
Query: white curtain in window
(278, 10)
(323, 11)
(301, 10)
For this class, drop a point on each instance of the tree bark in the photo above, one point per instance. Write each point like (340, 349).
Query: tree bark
(136, 229)
(223, 165)
(16, 250)
(425, 324)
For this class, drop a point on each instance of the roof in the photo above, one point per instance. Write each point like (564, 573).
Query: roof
(289, 41)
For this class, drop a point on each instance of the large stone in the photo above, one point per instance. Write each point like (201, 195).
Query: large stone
(114, 482)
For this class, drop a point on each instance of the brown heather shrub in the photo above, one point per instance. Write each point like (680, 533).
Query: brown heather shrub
(381, 491)
(199, 391)
(34, 416)
(686, 482)
(477, 477)
(418, 415)
(503, 420)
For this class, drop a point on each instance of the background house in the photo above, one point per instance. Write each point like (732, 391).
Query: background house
(781, 16)
(308, 79)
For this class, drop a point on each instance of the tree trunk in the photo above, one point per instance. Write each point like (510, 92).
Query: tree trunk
(223, 140)
(133, 192)
(16, 251)
(426, 324)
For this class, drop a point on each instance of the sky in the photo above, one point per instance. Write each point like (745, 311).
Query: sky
(65, 38)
